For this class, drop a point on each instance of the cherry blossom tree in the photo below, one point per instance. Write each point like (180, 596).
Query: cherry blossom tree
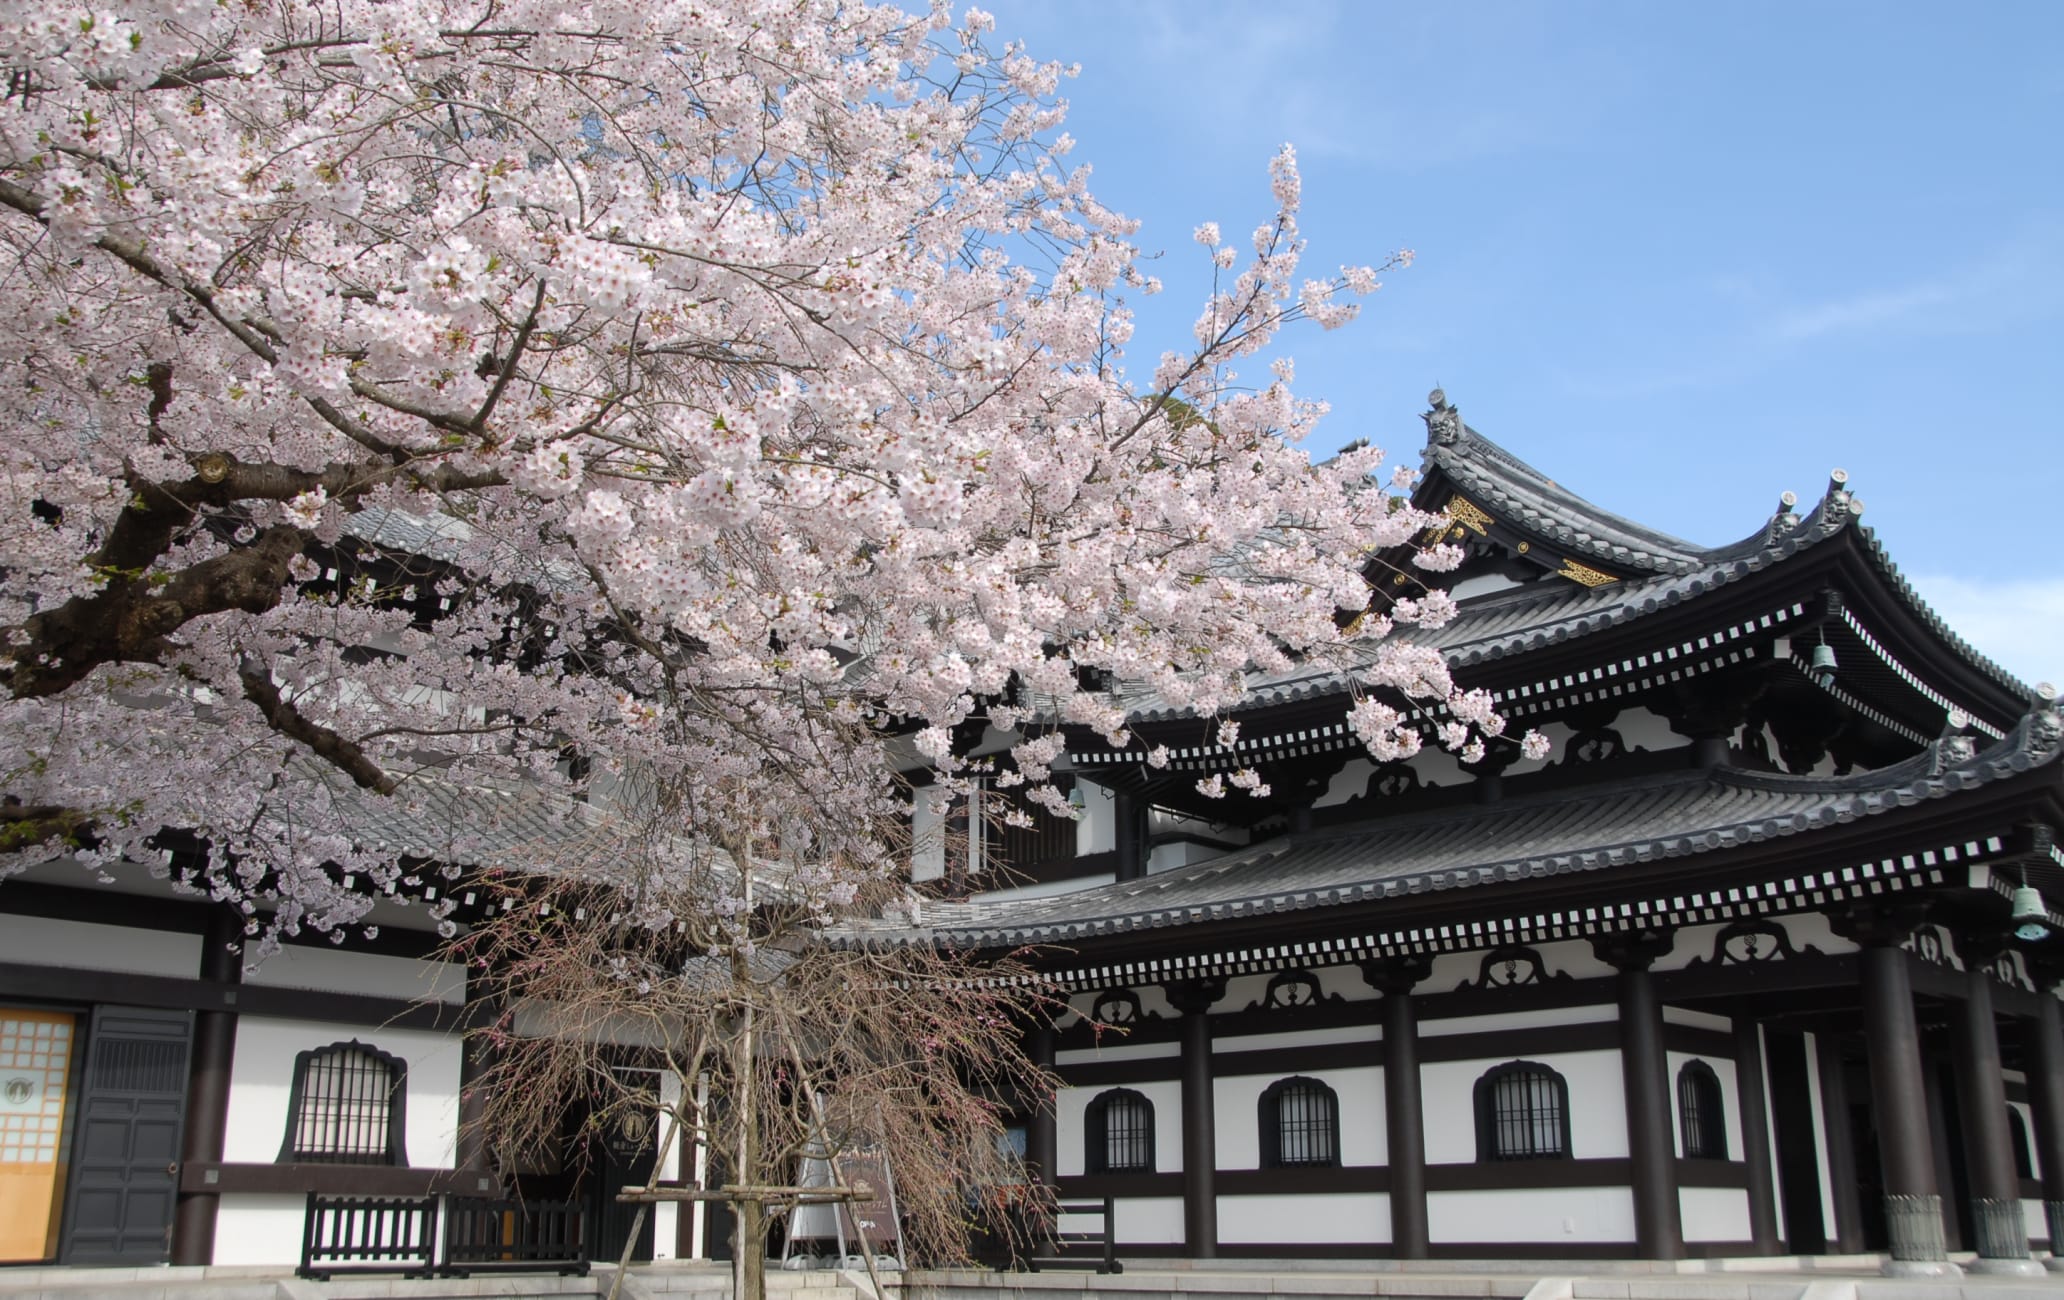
(692, 394)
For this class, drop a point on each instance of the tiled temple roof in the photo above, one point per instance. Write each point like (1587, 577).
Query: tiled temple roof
(1662, 571)
(1673, 815)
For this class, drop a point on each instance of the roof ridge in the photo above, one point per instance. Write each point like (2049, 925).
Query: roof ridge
(1905, 590)
(1953, 764)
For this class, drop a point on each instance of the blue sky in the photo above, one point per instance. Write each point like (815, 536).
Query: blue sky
(1681, 257)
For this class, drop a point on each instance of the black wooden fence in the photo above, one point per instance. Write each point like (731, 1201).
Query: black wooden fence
(368, 1234)
(1079, 1249)
(482, 1234)
(398, 1234)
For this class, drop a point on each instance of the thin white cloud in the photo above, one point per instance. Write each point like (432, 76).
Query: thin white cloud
(2015, 281)
(2018, 622)
(1862, 312)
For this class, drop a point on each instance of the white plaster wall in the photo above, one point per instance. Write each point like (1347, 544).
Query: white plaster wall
(1646, 730)
(1730, 1097)
(1153, 1001)
(1642, 729)
(1070, 1104)
(40, 941)
(1161, 821)
(1483, 584)
(1359, 1217)
(1439, 767)
(1697, 1020)
(666, 1217)
(1571, 957)
(1600, 1013)
(1348, 783)
(1298, 1038)
(261, 1082)
(1547, 1215)
(1344, 982)
(2028, 1127)
(1118, 1050)
(1822, 1122)
(1598, 1115)
(252, 1229)
(1807, 929)
(1237, 1121)
(298, 966)
(927, 838)
(1142, 1221)
(1813, 928)
(1047, 889)
(1097, 831)
(1558, 736)
(1180, 853)
(1714, 1213)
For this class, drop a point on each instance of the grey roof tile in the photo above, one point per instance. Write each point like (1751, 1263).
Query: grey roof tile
(1673, 815)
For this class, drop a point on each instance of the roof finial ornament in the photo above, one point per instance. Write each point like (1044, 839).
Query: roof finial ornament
(1443, 422)
(1782, 520)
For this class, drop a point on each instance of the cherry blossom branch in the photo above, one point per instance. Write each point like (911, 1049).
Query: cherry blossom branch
(281, 715)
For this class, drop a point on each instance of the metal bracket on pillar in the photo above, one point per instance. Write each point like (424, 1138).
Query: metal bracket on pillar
(1633, 950)
(1885, 924)
(1400, 974)
(1195, 996)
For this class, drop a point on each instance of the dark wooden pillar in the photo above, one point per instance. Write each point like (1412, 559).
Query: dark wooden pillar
(1403, 1108)
(484, 1019)
(1845, 1234)
(207, 1087)
(1899, 1100)
(1194, 998)
(2043, 1047)
(1755, 1134)
(1041, 1137)
(1129, 828)
(1645, 1071)
(1982, 1110)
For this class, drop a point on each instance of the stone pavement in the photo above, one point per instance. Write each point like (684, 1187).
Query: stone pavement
(1849, 1278)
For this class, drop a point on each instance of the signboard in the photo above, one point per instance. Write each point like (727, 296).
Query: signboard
(866, 1171)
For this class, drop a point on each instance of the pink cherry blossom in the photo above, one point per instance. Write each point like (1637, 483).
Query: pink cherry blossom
(705, 408)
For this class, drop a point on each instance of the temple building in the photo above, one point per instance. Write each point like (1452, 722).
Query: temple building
(1758, 961)
(1762, 959)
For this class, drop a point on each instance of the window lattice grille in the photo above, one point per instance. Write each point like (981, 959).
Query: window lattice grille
(1700, 1113)
(1528, 1114)
(346, 1107)
(1305, 1124)
(1128, 1133)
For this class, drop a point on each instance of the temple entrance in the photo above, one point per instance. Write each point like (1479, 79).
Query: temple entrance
(627, 1154)
(35, 1089)
(124, 1173)
(1798, 1149)
(1863, 1141)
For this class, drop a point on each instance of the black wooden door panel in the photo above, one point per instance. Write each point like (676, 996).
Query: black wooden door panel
(124, 1176)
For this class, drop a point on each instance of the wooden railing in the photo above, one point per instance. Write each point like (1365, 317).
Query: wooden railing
(398, 1234)
(501, 1234)
(368, 1234)
(1104, 1240)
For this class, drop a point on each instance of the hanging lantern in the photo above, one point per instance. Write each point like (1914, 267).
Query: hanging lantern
(1823, 663)
(2031, 919)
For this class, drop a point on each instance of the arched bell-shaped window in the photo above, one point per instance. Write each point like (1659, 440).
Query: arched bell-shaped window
(1119, 1133)
(346, 1107)
(1300, 1124)
(1701, 1114)
(1522, 1113)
